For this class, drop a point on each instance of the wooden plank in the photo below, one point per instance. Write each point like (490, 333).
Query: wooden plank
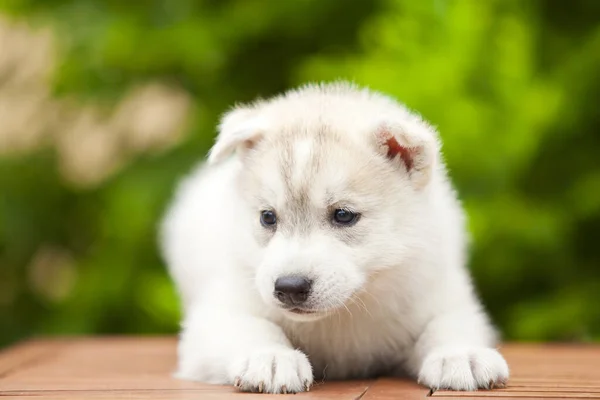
(26, 353)
(395, 389)
(101, 364)
(329, 391)
(103, 368)
(487, 395)
(123, 368)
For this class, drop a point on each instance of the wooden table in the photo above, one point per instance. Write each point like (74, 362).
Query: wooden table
(132, 368)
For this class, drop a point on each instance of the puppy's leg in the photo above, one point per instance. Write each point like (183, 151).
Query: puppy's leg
(455, 352)
(225, 346)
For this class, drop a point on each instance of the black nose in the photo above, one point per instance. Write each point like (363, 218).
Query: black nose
(292, 290)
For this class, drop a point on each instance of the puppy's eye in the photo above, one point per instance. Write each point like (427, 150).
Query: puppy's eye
(268, 218)
(345, 217)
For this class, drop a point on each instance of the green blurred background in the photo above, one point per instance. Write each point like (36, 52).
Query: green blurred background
(105, 103)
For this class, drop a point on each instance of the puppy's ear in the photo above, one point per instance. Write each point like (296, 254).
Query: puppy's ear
(411, 146)
(240, 129)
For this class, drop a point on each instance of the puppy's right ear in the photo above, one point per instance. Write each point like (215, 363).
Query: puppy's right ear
(240, 129)
(411, 144)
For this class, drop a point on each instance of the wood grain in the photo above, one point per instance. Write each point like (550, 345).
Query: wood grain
(141, 367)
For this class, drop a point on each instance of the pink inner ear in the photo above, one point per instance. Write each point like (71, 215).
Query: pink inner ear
(394, 148)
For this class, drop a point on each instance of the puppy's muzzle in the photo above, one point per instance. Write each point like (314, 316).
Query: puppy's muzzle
(292, 290)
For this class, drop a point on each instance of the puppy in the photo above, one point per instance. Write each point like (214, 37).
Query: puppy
(323, 239)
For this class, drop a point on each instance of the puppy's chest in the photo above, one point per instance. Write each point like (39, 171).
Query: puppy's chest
(341, 348)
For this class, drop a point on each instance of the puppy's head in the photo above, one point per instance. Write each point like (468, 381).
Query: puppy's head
(336, 180)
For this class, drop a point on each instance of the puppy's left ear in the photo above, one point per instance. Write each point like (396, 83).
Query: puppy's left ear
(411, 145)
(240, 129)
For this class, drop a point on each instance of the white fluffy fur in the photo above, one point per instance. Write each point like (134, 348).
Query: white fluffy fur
(390, 295)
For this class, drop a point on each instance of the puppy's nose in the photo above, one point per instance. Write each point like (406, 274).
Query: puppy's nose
(292, 290)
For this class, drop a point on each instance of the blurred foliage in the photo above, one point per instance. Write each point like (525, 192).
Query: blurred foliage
(513, 86)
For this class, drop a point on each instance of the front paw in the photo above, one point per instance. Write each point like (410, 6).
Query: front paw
(273, 370)
(463, 369)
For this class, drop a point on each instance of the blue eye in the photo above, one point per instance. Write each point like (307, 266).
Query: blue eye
(345, 217)
(268, 218)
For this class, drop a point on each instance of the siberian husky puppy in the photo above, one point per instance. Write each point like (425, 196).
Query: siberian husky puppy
(323, 239)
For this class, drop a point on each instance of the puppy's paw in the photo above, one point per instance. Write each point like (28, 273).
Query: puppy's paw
(464, 369)
(273, 370)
